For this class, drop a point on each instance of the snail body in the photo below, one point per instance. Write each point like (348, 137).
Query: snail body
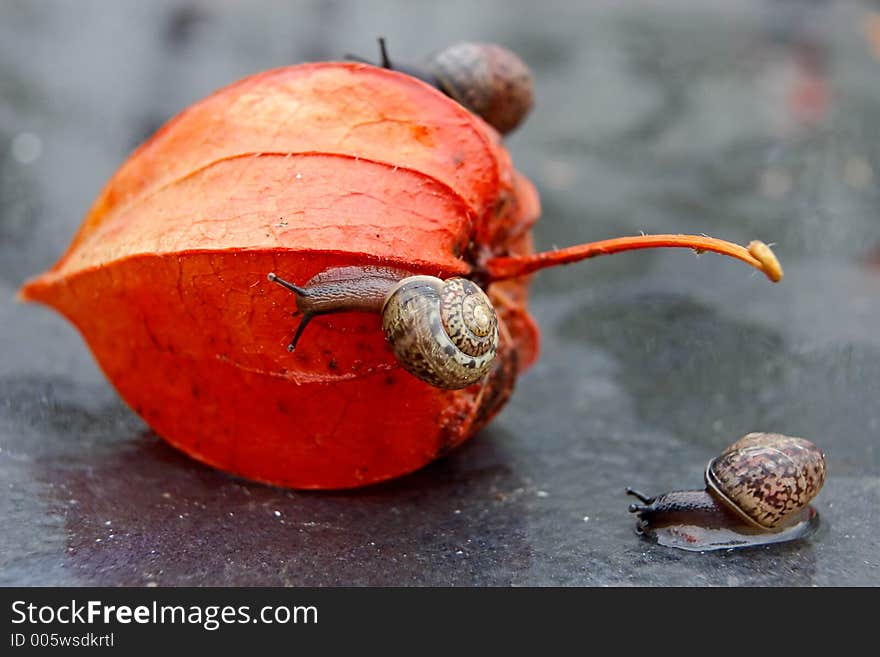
(757, 492)
(443, 332)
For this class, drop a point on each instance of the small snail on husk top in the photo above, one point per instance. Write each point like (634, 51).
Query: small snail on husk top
(443, 332)
(757, 492)
(488, 79)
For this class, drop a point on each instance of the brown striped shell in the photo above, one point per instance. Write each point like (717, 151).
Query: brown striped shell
(443, 332)
(767, 478)
(490, 81)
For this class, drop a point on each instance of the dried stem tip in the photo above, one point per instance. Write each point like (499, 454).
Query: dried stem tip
(769, 262)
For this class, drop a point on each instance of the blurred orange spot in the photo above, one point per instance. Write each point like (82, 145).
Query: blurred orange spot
(872, 33)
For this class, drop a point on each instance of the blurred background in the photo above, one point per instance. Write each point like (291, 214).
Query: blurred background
(742, 120)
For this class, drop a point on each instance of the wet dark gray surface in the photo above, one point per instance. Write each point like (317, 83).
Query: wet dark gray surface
(759, 121)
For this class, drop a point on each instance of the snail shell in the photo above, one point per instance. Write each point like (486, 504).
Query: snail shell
(489, 80)
(443, 332)
(767, 478)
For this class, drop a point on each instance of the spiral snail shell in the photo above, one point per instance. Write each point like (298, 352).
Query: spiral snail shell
(758, 491)
(487, 79)
(444, 332)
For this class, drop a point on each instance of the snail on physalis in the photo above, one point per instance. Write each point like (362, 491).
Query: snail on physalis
(757, 492)
(443, 332)
(488, 79)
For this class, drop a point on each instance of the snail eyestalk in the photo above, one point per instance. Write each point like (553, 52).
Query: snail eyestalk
(298, 291)
(384, 60)
(644, 499)
(299, 331)
(757, 254)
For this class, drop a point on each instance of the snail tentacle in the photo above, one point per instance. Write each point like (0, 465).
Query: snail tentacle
(641, 496)
(299, 291)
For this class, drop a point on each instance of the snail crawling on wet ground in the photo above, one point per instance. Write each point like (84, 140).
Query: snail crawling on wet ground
(757, 492)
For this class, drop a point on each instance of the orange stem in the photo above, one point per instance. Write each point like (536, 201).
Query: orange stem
(757, 254)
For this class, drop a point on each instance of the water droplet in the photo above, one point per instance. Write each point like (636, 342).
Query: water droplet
(27, 148)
